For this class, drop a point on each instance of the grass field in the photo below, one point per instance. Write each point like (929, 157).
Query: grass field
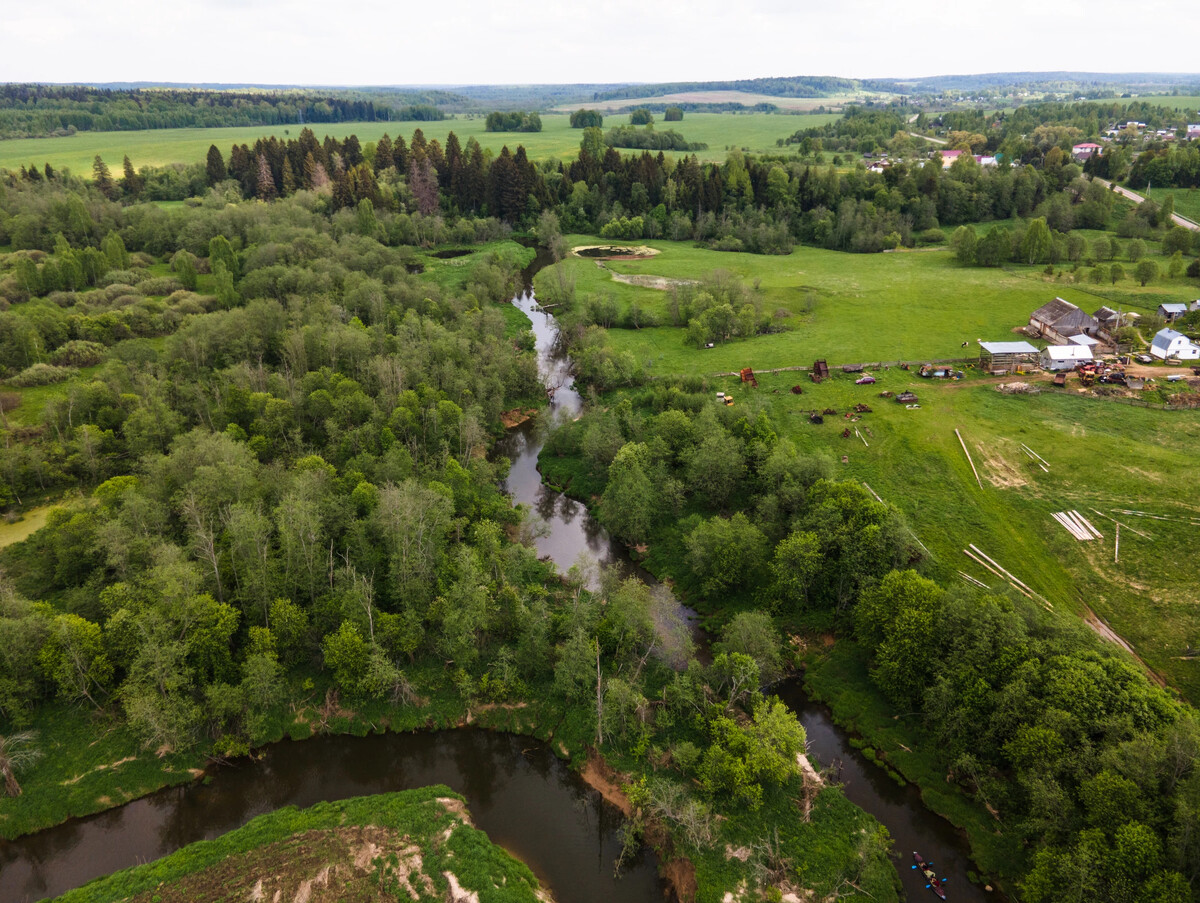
(865, 307)
(1102, 454)
(1187, 200)
(1177, 101)
(754, 131)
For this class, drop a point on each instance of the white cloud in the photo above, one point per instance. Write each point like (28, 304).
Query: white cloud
(543, 41)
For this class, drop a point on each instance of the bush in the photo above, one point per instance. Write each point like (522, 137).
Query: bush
(159, 285)
(123, 277)
(78, 353)
(42, 375)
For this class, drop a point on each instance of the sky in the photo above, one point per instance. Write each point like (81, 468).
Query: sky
(405, 42)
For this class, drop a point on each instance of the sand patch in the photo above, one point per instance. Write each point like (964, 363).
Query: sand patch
(660, 283)
(615, 252)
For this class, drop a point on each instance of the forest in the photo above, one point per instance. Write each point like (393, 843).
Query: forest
(32, 111)
(281, 488)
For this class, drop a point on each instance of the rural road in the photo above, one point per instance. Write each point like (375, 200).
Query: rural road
(928, 138)
(1134, 196)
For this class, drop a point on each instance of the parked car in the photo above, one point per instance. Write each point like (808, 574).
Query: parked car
(865, 380)
(1144, 359)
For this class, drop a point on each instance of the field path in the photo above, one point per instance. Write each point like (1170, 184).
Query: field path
(1134, 196)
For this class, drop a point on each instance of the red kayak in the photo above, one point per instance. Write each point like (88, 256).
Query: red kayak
(932, 881)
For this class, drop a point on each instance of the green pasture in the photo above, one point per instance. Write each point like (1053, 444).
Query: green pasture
(908, 305)
(1176, 101)
(757, 132)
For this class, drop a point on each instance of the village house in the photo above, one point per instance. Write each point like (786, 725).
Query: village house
(1081, 152)
(1064, 357)
(949, 156)
(1170, 345)
(1059, 320)
(1172, 312)
(1193, 130)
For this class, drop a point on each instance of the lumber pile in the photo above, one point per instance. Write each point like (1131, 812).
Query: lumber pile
(1077, 525)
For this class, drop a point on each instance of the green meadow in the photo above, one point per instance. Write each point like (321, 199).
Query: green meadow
(846, 308)
(920, 305)
(755, 132)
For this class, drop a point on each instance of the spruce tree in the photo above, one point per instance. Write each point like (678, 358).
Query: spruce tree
(103, 178)
(132, 184)
(214, 166)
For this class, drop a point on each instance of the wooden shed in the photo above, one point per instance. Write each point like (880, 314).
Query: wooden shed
(1005, 356)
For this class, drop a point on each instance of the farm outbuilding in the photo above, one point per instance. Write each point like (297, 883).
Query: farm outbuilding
(1064, 357)
(1172, 312)
(1005, 355)
(1170, 345)
(1060, 319)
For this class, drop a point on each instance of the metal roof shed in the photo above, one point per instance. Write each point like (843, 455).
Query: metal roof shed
(1064, 357)
(1005, 355)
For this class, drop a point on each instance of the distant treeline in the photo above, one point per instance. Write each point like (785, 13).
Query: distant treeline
(516, 121)
(796, 86)
(34, 111)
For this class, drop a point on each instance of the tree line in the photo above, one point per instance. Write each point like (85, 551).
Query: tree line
(33, 111)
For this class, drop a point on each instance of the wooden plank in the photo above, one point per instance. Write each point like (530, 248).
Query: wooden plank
(969, 461)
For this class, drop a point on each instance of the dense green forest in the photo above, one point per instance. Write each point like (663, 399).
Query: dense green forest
(277, 440)
(751, 203)
(32, 111)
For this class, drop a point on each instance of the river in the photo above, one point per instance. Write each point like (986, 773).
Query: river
(526, 799)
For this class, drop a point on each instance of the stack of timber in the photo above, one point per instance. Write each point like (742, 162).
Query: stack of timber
(1077, 525)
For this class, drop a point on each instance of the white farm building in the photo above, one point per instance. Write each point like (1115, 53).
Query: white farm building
(1171, 345)
(1064, 357)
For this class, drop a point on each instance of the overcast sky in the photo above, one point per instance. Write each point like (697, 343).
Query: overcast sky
(539, 41)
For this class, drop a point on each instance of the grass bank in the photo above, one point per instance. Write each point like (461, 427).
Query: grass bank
(421, 839)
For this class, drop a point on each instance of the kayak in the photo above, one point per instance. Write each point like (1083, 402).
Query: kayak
(932, 881)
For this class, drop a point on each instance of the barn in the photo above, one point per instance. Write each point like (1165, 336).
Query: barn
(1059, 320)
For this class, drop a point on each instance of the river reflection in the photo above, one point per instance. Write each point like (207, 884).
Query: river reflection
(527, 800)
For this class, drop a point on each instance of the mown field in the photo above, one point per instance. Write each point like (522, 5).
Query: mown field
(846, 307)
(755, 132)
(1102, 454)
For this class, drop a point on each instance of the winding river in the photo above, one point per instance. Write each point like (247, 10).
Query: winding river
(525, 798)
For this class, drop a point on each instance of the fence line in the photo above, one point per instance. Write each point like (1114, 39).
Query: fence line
(875, 365)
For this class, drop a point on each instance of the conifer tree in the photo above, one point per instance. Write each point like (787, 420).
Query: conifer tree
(265, 182)
(214, 166)
(104, 179)
(131, 183)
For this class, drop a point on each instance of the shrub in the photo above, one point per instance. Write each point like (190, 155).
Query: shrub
(78, 353)
(42, 375)
(159, 285)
